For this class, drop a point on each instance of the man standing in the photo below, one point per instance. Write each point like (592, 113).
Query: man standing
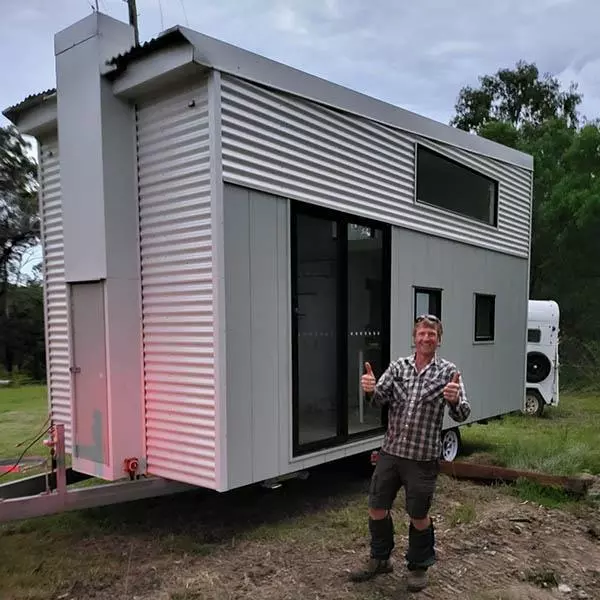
(416, 389)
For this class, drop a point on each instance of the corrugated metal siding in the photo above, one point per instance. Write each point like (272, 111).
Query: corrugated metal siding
(56, 309)
(177, 290)
(303, 151)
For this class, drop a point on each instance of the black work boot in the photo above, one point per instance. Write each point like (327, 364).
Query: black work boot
(382, 544)
(416, 580)
(374, 567)
(420, 556)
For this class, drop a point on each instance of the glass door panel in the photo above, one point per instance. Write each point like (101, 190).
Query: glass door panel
(316, 267)
(365, 331)
(340, 320)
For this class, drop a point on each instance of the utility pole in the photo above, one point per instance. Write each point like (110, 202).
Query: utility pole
(133, 19)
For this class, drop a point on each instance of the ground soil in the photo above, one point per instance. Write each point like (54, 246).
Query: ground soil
(299, 542)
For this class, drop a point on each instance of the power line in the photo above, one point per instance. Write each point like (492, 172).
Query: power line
(184, 13)
(162, 22)
(18, 461)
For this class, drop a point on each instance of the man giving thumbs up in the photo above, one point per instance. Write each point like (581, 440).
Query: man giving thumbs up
(416, 389)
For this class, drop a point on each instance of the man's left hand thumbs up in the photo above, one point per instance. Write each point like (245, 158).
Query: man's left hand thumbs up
(452, 389)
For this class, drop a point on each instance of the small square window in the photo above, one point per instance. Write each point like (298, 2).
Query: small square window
(534, 336)
(428, 302)
(485, 316)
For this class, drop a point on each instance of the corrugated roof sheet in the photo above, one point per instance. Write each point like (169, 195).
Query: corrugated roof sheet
(29, 102)
(165, 39)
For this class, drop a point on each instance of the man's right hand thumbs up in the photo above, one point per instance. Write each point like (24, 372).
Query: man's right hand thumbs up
(368, 381)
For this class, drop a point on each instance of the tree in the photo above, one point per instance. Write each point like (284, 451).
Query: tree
(19, 220)
(520, 109)
(517, 97)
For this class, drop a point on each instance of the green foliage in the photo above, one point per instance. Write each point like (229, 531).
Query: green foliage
(529, 112)
(21, 306)
(519, 96)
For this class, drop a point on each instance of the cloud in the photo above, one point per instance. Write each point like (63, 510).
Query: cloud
(286, 19)
(414, 54)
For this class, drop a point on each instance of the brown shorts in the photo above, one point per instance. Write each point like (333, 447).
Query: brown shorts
(417, 477)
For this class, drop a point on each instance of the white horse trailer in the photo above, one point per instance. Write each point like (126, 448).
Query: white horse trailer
(542, 356)
(227, 239)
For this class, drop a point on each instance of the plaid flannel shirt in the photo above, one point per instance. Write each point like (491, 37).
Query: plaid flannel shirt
(416, 406)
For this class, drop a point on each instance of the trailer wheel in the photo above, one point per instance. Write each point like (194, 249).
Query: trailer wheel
(451, 444)
(534, 404)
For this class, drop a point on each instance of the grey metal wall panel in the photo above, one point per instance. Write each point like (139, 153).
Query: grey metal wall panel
(55, 291)
(257, 311)
(493, 372)
(258, 315)
(238, 313)
(301, 150)
(177, 286)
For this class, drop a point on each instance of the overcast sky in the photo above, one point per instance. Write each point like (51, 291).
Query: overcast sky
(414, 54)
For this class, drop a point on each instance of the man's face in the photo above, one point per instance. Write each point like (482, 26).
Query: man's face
(426, 339)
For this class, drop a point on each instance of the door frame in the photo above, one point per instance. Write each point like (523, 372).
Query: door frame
(342, 219)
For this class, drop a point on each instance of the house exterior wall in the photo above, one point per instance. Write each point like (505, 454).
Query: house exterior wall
(493, 372)
(55, 290)
(96, 133)
(177, 272)
(257, 309)
(286, 146)
(258, 316)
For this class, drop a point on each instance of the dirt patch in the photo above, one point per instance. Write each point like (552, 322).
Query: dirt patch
(300, 542)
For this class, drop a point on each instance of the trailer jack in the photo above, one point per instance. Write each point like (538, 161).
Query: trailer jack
(47, 494)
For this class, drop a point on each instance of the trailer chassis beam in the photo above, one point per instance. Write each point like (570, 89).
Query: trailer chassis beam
(61, 499)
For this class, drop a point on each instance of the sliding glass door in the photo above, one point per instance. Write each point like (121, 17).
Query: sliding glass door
(340, 319)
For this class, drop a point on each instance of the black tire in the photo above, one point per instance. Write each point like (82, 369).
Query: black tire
(538, 367)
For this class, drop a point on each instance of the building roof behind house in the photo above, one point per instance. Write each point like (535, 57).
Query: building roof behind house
(30, 102)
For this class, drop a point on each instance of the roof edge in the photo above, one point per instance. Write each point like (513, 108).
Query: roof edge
(34, 100)
(258, 69)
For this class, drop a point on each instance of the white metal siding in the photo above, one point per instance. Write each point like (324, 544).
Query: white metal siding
(300, 150)
(177, 289)
(57, 335)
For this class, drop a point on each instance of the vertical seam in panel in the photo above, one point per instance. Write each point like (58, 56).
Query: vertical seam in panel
(142, 356)
(251, 235)
(218, 292)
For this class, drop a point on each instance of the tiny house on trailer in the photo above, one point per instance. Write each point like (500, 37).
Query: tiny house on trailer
(227, 240)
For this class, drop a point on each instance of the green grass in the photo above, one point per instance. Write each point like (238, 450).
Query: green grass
(564, 441)
(23, 413)
(44, 558)
(464, 513)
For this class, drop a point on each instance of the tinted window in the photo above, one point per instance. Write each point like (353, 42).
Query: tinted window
(428, 302)
(485, 309)
(447, 184)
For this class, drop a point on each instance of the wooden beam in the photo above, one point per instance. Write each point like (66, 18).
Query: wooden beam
(578, 484)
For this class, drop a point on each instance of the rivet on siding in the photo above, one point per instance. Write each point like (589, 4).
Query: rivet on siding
(191, 104)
